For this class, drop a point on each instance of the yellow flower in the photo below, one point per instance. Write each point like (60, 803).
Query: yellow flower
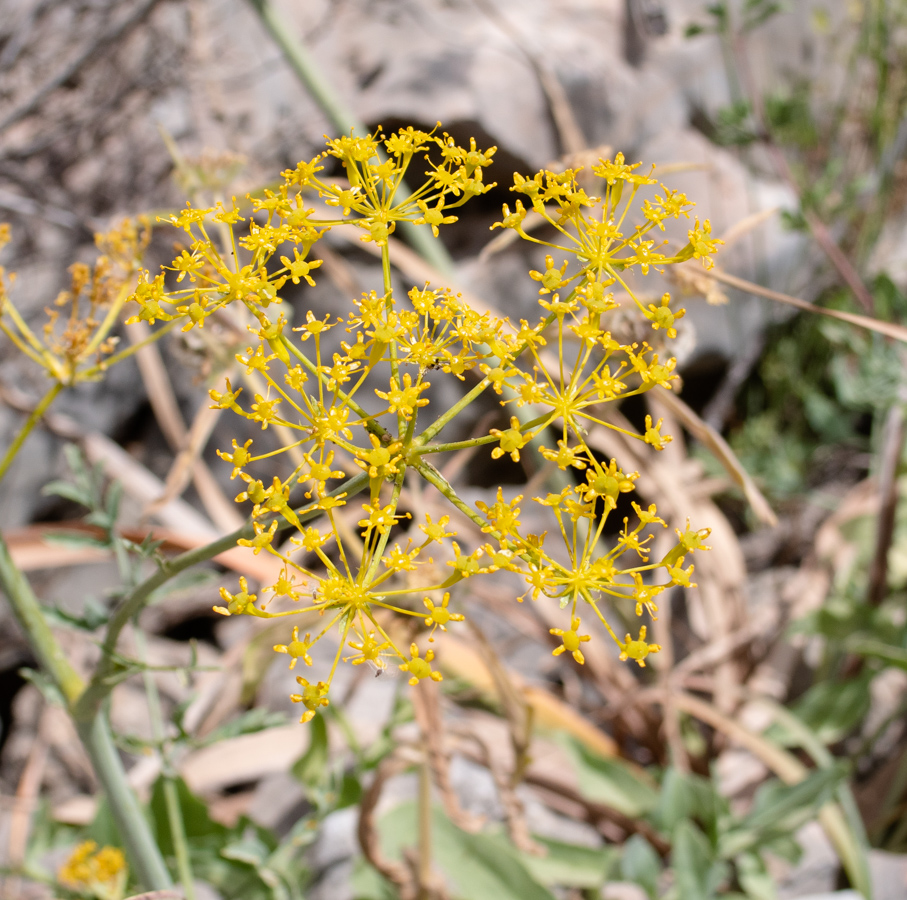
(439, 616)
(570, 640)
(313, 697)
(511, 440)
(638, 649)
(102, 873)
(296, 649)
(420, 668)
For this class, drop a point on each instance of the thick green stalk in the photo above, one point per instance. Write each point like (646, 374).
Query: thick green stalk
(343, 118)
(28, 427)
(144, 855)
(171, 794)
(132, 826)
(30, 617)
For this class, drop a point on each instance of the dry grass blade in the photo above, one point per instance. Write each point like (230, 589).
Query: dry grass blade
(367, 830)
(27, 793)
(569, 132)
(892, 446)
(244, 758)
(716, 607)
(718, 446)
(144, 487)
(748, 224)
(186, 466)
(167, 413)
(427, 709)
(889, 329)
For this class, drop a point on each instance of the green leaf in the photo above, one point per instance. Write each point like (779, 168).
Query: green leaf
(94, 615)
(247, 850)
(754, 877)
(640, 864)
(350, 792)
(697, 873)
(571, 865)
(311, 767)
(611, 781)
(68, 492)
(780, 809)
(831, 709)
(200, 828)
(77, 540)
(45, 685)
(236, 862)
(477, 866)
(685, 796)
(367, 884)
(888, 653)
(249, 722)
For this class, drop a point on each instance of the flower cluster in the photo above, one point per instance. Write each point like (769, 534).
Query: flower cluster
(354, 402)
(102, 873)
(77, 340)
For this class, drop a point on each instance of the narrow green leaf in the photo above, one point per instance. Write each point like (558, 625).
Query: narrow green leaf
(831, 709)
(571, 865)
(697, 872)
(477, 866)
(310, 768)
(640, 864)
(611, 781)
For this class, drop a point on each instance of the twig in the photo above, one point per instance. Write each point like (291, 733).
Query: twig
(169, 417)
(889, 329)
(367, 831)
(890, 457)
(427, 710)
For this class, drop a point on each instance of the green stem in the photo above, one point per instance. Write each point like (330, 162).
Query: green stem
(452, 413)
(102, 681)
(111, 319)
(424, 873)
(171, 794)
(437, 480)
(132, 826)
(178, 836)
(368, 421)
(343, 118)
(94, 732)
(30, 616)
(458, 445)
(28, 427)
(132, 349)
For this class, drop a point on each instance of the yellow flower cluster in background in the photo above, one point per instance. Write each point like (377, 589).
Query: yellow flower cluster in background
(103, 872)
(553, 374)
(77, 336)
